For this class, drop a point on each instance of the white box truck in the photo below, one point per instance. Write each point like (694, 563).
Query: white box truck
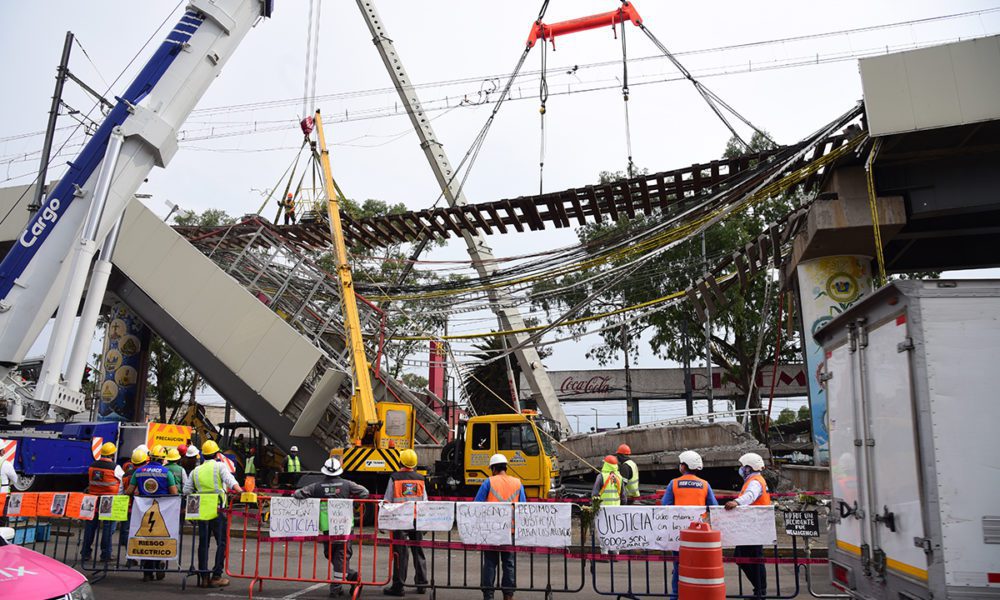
(912, 375)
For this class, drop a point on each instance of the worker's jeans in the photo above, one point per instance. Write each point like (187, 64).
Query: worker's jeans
(216, 528)
(756, 573)
(90, 530)
(401, 554)
(489, 573)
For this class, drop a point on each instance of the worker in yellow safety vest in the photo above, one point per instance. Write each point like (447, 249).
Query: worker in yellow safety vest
(500, 487)
(212, 477)
(753, 493)
(629, 472)
(292, 462)
(608, 486)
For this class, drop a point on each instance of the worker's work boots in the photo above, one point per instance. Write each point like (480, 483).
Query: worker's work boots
(508, 597)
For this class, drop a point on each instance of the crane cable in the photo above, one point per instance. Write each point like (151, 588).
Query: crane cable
(543, 96)
(630, 166)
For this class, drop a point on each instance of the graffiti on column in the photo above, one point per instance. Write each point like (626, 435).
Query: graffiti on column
(125, 342)
(827, 287)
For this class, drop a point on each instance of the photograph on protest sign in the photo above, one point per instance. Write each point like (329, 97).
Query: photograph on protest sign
(744, 525)
(154, 530)
(485, 523)
(193, 504)
(291, 517)
(435, 516)
(14, 504)
(105, 505)
(58, 505)
(396, 516)
(544, 524)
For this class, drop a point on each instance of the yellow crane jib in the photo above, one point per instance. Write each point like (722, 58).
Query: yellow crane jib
(365, 422)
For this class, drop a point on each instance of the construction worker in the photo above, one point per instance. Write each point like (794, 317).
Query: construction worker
(173, 465)
(104, 479)
(292, 462)
(629, 472)
(405, 485)
(190, 459)
(7, 475)
(688, 490)
(608, 486)
(212, 477)
(127, 469)
(500, 487)
(151, 478)
(289, 206)
(250, 466)
(335, 486)
(754, 493)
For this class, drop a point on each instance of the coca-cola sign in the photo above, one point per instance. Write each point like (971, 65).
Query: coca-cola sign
(598, 384)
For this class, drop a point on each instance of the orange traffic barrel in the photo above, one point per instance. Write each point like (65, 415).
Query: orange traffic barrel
(701, 575)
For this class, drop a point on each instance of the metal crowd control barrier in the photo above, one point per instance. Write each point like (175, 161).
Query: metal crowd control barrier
(61, 538)
(549, 570)
(252, 554)
(647, 573)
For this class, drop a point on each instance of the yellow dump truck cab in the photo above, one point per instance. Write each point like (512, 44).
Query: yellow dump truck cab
(522, 438)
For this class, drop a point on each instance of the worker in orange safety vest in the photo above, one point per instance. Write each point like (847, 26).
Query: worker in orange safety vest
(687, 490)
(754, 493)
(500, 487)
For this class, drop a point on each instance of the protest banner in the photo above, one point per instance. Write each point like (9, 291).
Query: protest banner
(81, 506)
(51, 504)
(486, 523)
(669, 521)
(340, 516)
(155, 528)
(624, 527)
(396, 516)
(545, 524)
(803, 523)
(435, 516)
(745, 525)
(291, 517)
(22, 505)
(201, 507)
(113, 508)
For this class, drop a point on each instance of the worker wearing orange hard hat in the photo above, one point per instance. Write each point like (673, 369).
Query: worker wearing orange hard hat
(608, 486)
(629, 472)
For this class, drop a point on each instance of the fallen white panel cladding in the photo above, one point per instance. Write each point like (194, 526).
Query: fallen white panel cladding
(249, 339)
(316, 407)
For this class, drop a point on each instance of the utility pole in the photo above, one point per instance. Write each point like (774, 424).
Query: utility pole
(631, 404)
(688, 392)
(708, 340)
(50, 128)
(481, 254)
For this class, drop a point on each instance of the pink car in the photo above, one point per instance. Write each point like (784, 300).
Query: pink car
(28, 575)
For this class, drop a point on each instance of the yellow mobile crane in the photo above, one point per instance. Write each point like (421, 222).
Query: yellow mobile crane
(378, 430)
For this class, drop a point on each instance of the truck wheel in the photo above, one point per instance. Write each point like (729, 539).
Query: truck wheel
(28, 483)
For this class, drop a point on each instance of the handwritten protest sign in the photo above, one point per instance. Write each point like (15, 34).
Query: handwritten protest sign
(669, 521)
(294, 518)
(745, 526)
(435, 516)
(340, 516)
(81, 506)
(624, 527)
(396, 516)
(113, 508)
(542, 524)
(486, 523)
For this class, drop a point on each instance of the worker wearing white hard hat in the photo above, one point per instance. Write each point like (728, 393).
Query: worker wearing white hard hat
(754, 493)
(499, 487)
(687, 490)
(334, 486)
(293, 464)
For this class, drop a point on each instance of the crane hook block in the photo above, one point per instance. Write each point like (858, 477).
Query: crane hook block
(541, 31)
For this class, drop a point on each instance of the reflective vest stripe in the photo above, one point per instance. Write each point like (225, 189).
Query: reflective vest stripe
(611, 495)
(250, 468)
(208, 481)
(632, 485)
(101, 479)
(504, 488)
(294, 465)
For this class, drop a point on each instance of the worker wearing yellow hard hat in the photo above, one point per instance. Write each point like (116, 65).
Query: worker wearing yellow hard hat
(212, 479)
(407, 485)
(104, 478)
(173, 465)
(158, 453)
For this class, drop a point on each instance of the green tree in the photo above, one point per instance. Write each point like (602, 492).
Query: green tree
(676, 331)
(212, 217)
(804, 413)
(171, 377)
(487, 384)
(786, 415)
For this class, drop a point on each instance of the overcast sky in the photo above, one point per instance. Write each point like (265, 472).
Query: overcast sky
(789, 87)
